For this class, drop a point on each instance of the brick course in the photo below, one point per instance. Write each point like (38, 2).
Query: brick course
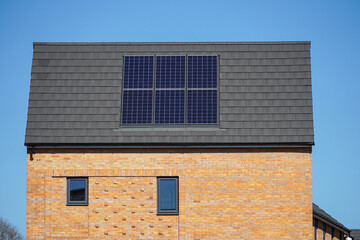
(262, 193)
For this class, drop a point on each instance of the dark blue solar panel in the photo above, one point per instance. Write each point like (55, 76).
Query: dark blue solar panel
(137, 107)
(170, 72)
(169, 102)
(138, 72)
(202, 72)
(169, 106)
(202, 106)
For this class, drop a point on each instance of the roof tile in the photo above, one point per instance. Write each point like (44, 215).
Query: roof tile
(265, 94)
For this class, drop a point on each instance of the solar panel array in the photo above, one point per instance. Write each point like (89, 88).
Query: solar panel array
(173, 97)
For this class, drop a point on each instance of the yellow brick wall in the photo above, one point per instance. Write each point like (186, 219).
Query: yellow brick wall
(223, 194)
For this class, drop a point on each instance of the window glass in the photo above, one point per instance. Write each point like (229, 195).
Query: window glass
(77, 191)
(168, 196)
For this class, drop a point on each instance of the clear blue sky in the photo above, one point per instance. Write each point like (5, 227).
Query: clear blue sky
(333, 27)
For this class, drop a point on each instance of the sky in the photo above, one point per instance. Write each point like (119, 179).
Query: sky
(333, 27)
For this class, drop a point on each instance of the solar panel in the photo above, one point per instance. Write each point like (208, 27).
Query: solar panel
(138, 90)
(167, 101)
(170, 72)
(137, 107)
(202, 72)
(202, 107)
(138, 72)
(169, 106)
(202, 90)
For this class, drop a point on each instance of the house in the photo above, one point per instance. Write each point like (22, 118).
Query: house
(170, 141)
(327, 227)
(355, 234)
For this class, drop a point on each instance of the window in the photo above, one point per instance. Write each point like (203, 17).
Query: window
(170, 90)
(167, 196)
(77, 191)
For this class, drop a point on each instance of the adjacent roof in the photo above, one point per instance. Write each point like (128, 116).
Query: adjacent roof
(324, 215)
(264, 91)
(355, 233)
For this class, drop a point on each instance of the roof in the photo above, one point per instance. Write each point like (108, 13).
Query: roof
(355, 233)
(264, 90)
(324, 215)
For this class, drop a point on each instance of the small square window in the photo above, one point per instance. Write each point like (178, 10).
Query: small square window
(77, 191)
(168, 195)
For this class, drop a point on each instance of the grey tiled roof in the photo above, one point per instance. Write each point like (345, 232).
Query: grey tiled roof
(324, 215)
(355, 233)
(265, 94)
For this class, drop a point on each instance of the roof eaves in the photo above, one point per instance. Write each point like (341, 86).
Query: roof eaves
(329, 219)
(170, 43)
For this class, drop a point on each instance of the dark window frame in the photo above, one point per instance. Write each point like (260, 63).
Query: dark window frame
(168, 212)
(77, 203)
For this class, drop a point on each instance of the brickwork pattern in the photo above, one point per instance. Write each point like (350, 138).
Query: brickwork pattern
(223, 194)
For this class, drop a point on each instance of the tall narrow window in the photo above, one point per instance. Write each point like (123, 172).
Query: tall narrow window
(168, 196)
(77, 191)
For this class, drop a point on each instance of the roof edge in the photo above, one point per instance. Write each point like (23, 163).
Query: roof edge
(323, 217)
(170, 43)
(162, 145)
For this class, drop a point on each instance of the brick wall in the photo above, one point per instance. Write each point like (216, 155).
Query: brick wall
(223, 194)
